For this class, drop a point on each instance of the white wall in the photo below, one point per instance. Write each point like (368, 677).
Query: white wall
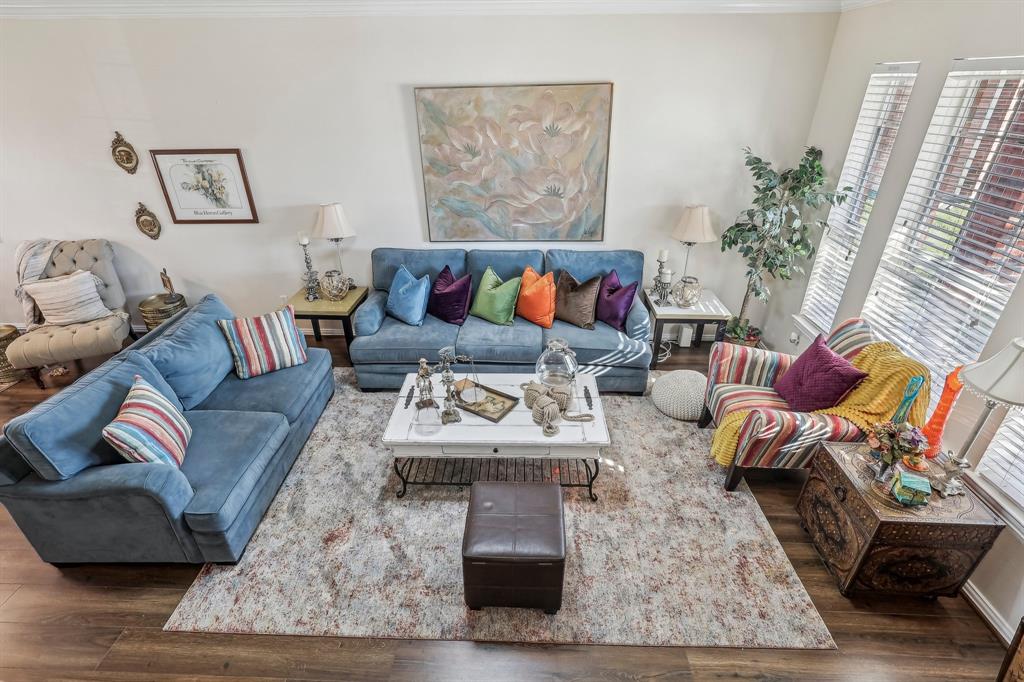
(933, 33)
(322, 109)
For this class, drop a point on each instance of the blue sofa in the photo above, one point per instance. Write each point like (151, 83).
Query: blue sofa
(384, 349)
(79, 501)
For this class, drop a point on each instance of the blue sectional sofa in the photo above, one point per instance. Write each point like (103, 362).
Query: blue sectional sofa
(78, 501)
(385, 349)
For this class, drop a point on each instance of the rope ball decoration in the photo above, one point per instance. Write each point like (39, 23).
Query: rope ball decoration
(549, 405)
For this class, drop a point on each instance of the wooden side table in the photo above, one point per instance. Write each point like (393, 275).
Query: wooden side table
(870, 542)
(709, 310)
(322, 309)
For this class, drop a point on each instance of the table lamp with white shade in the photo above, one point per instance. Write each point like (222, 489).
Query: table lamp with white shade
(999, 380)
(694, 227)
(332, 223)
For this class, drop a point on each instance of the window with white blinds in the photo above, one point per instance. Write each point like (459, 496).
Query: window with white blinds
(956, 250)
(1002, 465)
(881, 113)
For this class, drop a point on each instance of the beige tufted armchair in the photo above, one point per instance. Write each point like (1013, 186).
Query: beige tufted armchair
(52, 344)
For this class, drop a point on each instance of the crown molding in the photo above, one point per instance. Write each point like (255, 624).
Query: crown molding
(64, 9)
(847, 5)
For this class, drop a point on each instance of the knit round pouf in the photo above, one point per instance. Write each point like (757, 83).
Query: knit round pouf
(680, 394)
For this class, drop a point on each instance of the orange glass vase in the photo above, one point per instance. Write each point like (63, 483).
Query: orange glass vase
(937, 422)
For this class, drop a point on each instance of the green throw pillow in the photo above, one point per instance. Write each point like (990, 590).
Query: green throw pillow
(496, 301)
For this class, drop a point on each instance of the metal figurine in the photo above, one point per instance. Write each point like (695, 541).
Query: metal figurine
(310, 277)
(447, 358)
(424, 386)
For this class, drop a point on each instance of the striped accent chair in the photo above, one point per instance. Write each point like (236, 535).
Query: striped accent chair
(772, 435)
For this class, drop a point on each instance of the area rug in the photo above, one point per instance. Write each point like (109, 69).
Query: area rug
(664, 557)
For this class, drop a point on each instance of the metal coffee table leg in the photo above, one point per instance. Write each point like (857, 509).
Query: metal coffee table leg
(591, 477)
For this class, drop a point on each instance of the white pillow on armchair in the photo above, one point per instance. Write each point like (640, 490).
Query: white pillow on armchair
(68, 299)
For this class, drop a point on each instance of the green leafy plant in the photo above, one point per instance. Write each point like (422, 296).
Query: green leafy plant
(773, 235)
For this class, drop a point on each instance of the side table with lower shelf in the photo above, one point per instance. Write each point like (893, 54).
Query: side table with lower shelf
(870, 542)
(707, 310)
(323, 309)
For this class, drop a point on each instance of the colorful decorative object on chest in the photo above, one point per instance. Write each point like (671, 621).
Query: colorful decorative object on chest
(937, 422)
(910, 489)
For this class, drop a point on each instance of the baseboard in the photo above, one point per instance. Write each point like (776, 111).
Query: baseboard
(988, 613)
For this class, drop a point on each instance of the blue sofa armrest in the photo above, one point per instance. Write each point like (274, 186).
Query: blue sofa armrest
(369, 316)
(132, 512)
(638, 322)
(163, 483)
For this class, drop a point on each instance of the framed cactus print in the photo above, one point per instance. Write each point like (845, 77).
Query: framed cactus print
(205, 185)
(515, 162)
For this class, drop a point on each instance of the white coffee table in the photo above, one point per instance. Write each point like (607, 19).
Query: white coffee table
(514, 449)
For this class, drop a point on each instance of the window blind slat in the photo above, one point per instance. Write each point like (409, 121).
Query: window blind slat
(878, 121)
(956, 250)
(1002, 465)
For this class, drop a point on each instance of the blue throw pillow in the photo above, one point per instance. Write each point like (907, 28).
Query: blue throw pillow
(407, 298)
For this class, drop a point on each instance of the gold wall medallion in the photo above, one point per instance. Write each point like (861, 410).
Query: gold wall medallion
(147, 222)
(124, 153)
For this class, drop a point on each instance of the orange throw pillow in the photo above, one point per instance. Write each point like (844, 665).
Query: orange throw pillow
(536, 301)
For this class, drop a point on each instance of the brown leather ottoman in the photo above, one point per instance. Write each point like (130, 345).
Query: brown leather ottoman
(513, 550)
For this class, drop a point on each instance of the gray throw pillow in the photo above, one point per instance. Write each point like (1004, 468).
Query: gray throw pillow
(576, 303)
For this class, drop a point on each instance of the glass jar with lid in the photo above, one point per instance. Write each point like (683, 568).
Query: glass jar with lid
(557, 366)
(686, 292)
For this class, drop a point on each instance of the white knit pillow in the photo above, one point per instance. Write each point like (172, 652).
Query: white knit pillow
(69, 298)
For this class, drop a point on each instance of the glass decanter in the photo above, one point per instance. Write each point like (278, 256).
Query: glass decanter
(557, 365)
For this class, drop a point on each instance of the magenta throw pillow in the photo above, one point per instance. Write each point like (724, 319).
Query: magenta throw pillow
(614, 301)
(449, 297)
(818, 379)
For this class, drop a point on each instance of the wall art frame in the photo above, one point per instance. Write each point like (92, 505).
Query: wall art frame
(205, 185)
(515, 162)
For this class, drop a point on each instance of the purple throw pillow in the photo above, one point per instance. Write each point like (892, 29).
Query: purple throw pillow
(818, 379)
(449, 297)
(614, 301)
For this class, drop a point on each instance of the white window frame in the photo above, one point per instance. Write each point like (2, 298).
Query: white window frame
(973, 297)
(1005, 440)
(882, 108)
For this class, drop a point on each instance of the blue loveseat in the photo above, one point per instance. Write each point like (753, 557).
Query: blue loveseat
(385, 349)
(78, 501)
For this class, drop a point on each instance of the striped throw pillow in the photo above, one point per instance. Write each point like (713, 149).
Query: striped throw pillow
(148, 428)
(264, 344)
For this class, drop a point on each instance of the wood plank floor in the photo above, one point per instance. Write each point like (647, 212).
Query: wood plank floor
(103, 622)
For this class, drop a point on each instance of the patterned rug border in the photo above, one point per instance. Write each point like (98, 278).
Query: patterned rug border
(185, 619)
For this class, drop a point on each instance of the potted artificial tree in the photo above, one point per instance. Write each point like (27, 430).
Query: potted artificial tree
(773, 235)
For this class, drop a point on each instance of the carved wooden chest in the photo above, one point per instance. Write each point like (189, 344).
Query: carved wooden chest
(869, 541)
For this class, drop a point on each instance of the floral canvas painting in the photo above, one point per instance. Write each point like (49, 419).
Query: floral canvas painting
(515, 163)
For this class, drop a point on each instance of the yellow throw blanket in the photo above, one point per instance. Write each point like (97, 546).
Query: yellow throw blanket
(874, 400)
